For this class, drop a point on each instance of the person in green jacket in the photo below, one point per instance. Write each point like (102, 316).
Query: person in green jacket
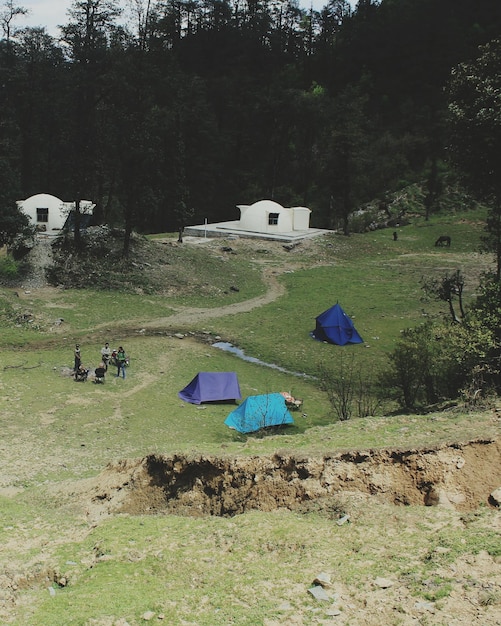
(121, 361)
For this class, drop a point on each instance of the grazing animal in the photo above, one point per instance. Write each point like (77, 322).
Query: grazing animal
(443, 240)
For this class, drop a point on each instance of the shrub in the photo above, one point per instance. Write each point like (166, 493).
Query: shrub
(409, 367)
(350, 391)
(9, 268)
(441, 361)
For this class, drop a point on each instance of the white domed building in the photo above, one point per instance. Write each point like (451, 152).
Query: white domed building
(50, 215)
(265, 219)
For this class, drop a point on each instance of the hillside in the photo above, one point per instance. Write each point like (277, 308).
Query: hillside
(124, 505)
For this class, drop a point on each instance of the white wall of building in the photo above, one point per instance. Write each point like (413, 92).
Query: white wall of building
(267, 216)
(48, 213)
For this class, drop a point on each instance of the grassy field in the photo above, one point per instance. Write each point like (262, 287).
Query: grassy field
(62, 564)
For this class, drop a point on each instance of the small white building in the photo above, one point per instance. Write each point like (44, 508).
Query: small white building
(265, 219)
(50, 214)
(267, 216)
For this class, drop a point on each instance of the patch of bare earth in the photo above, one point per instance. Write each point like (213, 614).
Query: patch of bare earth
(367, 487)
(459, 476)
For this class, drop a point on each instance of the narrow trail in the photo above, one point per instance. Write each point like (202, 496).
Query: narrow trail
(185, 316)
(41, 259)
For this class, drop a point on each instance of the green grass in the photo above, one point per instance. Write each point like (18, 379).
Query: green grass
(378, 284)
(242, 571)
(255, 568)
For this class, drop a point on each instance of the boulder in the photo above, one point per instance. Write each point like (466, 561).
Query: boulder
(495, 497)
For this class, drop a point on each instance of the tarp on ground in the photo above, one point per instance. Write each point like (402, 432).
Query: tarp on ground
(258, 412)
(211, 387)
(334, 326)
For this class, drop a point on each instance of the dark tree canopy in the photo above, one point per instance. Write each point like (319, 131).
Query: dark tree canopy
(160, 110)
(475, 139)
(475, 120)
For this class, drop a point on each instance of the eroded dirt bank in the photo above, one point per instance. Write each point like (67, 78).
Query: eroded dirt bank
(460, 475)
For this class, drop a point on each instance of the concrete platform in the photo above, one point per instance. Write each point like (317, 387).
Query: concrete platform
(228, 230)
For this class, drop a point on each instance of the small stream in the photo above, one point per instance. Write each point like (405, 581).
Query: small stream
(228, 347)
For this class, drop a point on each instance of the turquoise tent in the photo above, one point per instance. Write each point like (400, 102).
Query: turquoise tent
(258, 412)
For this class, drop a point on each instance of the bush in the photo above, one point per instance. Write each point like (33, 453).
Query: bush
(409, 367)
(441, 361)
(9, 268)
(350, 392)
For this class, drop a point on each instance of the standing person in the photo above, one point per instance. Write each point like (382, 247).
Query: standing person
(78, 360)
(106, 355)
(121, 359)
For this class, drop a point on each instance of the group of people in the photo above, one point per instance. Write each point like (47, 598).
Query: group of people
(115, 357)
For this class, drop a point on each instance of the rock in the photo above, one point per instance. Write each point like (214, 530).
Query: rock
(456, 498)
(319, 593)
(333, 612)
(495, 497)
(285, 606)
(423, 607)
(343, 520)
(438, 497)
(179, 335)
(323, 579)
(383, 583)
(148, 615)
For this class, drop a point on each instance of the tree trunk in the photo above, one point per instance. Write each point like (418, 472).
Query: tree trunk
(127, 236)
(76, 226)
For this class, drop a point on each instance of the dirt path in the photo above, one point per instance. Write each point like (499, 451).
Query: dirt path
(190, 315)
(187, 316)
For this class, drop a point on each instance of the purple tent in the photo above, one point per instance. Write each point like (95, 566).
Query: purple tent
(211, 387)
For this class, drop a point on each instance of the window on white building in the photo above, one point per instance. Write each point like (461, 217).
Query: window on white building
(42, 214)
(273, 219)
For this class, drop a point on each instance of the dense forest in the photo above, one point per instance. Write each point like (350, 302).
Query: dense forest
(165, 112)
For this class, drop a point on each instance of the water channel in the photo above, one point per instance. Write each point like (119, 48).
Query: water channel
(228, 347)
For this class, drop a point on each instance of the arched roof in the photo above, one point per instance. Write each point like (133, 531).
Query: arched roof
(268, 205)
(43, 198)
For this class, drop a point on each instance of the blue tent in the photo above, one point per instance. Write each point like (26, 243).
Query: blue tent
(334, 326)
(258, 412)
(211, 387)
